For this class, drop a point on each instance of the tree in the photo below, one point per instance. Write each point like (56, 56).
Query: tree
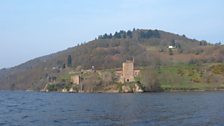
(129, 34)
(149, 34)
(117, 35)
(178, 45)
(218, 44)
(105, 36)
(170, 52)
(123, 34)
(204, 43)
(110, 36)
(173, 43)
(149, 79)
(156, 33)
(69, 61)
(100, 37)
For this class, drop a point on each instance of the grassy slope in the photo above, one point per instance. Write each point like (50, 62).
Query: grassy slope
(190, 77)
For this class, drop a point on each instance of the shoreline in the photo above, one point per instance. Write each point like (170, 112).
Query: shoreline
(117, 92)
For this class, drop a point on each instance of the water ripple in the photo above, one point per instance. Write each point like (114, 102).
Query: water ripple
(33, 108)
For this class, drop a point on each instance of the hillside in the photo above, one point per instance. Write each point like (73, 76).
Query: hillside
(147, 47)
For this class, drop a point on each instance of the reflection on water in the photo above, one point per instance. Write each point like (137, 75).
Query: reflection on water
(57, 109)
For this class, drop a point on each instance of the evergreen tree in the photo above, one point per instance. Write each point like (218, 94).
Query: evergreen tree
(117, 35)
(110, 36)
(69, 61)
(129, 34)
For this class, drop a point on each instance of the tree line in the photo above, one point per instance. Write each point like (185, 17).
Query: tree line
(142, 34)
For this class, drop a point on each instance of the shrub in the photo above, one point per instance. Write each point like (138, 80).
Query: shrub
(170, 52)
(217, 69)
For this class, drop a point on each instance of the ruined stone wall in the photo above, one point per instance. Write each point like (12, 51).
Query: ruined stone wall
(75, 79)
(136, 73)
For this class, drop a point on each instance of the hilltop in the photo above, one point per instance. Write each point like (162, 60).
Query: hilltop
(108, 51)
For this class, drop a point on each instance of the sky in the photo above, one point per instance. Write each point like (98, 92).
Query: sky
(34, 28)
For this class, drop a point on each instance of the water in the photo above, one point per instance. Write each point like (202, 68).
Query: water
(156, 109)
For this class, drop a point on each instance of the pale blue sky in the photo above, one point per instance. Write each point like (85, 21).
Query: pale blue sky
(33, 28)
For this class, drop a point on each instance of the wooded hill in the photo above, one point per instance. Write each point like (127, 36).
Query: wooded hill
(146, 47)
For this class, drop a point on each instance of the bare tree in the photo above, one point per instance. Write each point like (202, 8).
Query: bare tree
(149, 79)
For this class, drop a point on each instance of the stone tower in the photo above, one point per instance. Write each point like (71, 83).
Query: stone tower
(128, 71)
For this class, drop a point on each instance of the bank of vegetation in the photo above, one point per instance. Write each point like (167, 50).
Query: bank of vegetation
(178, 77)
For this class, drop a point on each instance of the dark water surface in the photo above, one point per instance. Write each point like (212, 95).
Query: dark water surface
(156, 109)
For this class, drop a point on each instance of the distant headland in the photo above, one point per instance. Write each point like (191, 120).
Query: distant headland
(137, 60)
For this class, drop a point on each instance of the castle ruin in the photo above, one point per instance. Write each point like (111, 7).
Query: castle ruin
(128, 72)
